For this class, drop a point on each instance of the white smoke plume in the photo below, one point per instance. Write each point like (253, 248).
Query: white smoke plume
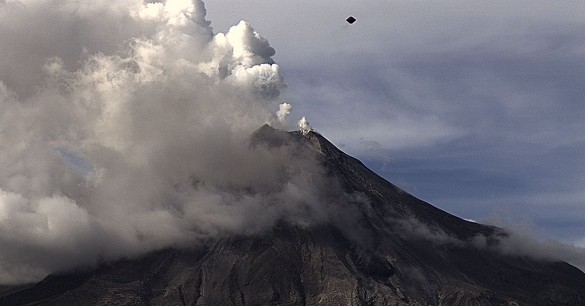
(304, 126)
(123, 128)
(284, 110)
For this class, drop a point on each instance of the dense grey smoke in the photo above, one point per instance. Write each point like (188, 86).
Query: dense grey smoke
(123, 129)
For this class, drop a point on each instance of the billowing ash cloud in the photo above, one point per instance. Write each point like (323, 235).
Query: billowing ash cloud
(123, 129)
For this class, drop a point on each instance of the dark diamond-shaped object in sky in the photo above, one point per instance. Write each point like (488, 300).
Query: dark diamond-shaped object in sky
(350, 19)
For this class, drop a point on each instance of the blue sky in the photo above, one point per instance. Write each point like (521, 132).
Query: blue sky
(475, 107)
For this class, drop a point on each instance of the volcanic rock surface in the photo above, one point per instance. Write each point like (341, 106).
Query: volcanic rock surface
(399, 250)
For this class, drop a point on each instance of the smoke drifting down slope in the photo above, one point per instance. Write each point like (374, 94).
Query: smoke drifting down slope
(123, 129)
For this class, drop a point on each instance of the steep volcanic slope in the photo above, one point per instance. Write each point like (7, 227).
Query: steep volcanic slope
(387, 249)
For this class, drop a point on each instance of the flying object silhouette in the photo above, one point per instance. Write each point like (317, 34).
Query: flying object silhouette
(350, 19)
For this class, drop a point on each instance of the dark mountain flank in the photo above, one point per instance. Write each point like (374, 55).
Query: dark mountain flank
(388, 248)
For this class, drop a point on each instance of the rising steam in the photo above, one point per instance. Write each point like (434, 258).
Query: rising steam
(284, 110)
(122, 130)
(304, 126)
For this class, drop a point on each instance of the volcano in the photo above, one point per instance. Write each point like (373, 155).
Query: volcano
(398, 250)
